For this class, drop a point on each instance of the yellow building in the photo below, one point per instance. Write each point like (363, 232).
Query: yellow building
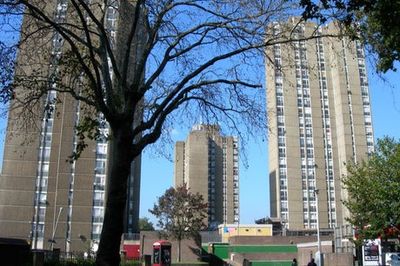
(228, 230)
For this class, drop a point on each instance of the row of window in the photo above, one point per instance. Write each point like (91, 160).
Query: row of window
(306, 138)
(281, 132)
(99, 187)
(349, 98)
(326, 127)
(47, 128)
(365, 97)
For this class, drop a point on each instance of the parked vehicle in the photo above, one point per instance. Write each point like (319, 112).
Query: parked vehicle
(392, 259)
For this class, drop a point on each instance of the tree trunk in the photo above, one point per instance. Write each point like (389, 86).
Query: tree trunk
(109, 246)
(179, 250)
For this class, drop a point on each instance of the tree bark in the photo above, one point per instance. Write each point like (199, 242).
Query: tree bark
(179, 250)
(109, 246)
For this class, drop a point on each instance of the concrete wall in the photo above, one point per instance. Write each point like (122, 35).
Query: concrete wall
(274, 240)
(333, 259)
(306, 251)
(304, 254)
(330, 259)
(263, 256)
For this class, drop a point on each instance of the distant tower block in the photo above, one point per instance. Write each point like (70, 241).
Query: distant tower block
(209, 164)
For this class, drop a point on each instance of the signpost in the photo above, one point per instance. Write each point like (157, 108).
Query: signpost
(371, 252)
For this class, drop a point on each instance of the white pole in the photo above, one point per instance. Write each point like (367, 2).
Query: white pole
(55, 229)
(318, 255)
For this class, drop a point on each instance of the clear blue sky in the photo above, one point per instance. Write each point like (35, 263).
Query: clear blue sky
(157, 172)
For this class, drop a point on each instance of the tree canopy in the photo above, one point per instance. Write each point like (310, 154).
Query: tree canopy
(145, 224)
(373, 188)
(181, 214)
(376, 23)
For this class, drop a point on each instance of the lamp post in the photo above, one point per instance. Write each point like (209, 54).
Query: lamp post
(318, 254)
(52, 241)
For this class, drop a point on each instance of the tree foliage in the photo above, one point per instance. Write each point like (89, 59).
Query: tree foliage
(376, 23)
(7, 56)
(373, 188)
(145, 224)
(181, 214)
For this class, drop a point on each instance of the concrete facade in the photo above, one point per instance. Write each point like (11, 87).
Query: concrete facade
(41, 193)
(208, 163)
(320, 118)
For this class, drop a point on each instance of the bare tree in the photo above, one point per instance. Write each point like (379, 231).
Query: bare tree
(139, 65)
